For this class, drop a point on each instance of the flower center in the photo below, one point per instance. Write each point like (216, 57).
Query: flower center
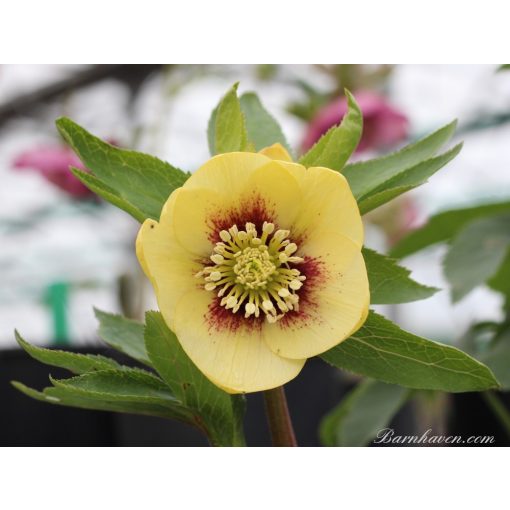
(255, 272)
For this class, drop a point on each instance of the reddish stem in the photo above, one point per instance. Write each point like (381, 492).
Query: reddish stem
(278, 418)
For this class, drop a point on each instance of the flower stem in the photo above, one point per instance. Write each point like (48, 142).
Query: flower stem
(278, 418)
(499, 409)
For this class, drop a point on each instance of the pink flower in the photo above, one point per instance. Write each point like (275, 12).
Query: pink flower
(53, 163)
(383, 125)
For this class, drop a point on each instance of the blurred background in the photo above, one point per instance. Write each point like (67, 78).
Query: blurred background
(65, 251)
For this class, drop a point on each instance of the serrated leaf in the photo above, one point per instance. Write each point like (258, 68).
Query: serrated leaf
(390, 283)
(125, 335)
(219, 414)
(138, 179)
(476, 254)
(382, 197)
(383, 351)
(227, 130)
(262, 128)
(335, 148)
(66, 397)
(74, 362)
(406, 180)
(109, 194)
(362, 414)
(443, 226)
(130, 384)
(367, 176)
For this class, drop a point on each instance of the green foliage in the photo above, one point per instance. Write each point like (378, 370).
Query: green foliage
(500, 282)
(137, 183)
(380, 180)
(70, 398)
(123, 334)
(227, 129)
(383, 351)
(477, 253)
(497, 358)
(183, 393)
(336, 146)
(263, 130)
(76, 363)
(128, 390)
(381, 197)
(489, 342)
(365, 176)
(390, 283)
(217, 412)
(362, 413)
(444, 226)
(410, 179)
(107, 193)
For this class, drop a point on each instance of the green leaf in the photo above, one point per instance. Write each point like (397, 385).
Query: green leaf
(476, 254)
(219, 414)
(69, 397)
(443, 226)
(336, 146)
(409, 179)
(123, 334)
(383, 351)
(109, 194)
(362, 414)
(379, 198)
(500, 282)
(128, 390)
(227, 130)
(74, 362)
(497, 358)
(390, 283)
(263, 129)
(365, 177)
(139, 183)
(211, 132)
(131, 384)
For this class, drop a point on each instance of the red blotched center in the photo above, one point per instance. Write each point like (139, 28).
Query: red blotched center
(254, 209)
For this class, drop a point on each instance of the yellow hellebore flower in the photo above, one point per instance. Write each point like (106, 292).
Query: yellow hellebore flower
(256, 263)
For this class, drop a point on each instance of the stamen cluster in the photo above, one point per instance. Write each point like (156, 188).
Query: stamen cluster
(254, 272)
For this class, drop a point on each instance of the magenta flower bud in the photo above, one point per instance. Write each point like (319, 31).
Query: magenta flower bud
(54, 164)
(383, 124)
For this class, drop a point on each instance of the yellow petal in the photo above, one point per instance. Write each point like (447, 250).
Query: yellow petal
(195, 218)
(231, 355)
(151, 224)
(276, 151)
(169, 267)
(328, 203)
(227, 173)
(279, 190)
(335, 250)
(330, 311)
(270, 193)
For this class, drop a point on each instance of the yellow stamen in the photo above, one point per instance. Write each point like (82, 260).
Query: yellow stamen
(253, 272)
